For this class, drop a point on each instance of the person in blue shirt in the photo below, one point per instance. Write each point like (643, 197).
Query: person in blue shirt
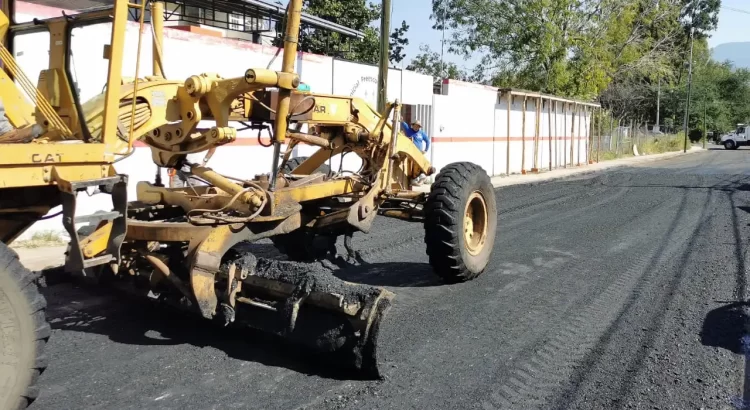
(420, 139)
(416, 135)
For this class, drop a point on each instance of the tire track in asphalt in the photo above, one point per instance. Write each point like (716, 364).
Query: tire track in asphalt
(653, 282)
(386, 228)
(606, 378)
(554, 300)
(741, 402)
(614, 228)
(535, 379)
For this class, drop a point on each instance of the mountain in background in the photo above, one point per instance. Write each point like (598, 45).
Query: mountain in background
(737, 53)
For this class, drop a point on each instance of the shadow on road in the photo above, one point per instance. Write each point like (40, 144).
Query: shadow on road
(127, 319)
(393, 274)
(132, 321)
(724, 327)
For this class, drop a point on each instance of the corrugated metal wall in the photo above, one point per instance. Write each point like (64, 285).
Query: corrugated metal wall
(421, 112)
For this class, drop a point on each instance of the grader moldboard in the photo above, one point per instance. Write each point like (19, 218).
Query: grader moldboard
(183, 246)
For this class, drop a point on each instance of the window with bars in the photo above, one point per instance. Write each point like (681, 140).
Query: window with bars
(236, 22)
(192, 14)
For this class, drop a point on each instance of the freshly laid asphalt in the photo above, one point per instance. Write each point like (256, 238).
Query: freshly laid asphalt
(624, 288)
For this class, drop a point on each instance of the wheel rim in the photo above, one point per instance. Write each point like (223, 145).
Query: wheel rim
(475, 223)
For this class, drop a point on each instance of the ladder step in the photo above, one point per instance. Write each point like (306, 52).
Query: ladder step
(108, 216)
(106, 181)
(99, 260)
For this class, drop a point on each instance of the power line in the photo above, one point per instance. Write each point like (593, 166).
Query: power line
(734, 9)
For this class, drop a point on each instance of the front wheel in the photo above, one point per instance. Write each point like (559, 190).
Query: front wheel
(729, 144)
(460, 222)
(23, 332)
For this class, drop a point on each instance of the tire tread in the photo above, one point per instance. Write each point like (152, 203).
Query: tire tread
(26, 281)
(443, 220)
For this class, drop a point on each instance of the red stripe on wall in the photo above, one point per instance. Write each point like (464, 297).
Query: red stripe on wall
(498, 139)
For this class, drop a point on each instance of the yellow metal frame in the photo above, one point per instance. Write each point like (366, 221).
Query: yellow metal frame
(34, 164)
(60, 155)
(165, 115)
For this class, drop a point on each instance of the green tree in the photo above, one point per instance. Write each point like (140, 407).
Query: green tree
(637, 50)
(701, 15)
(565, 47)
(398, 42)
(358, 15)
(620, 52)
(525, 43)
(428, 62)
(720, 96)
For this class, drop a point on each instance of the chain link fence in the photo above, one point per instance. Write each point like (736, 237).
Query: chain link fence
(613, 138)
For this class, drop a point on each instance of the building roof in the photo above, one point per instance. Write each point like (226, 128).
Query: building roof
(534, 94)
(250, 8)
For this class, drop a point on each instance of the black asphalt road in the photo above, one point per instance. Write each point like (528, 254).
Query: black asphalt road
(620, 289)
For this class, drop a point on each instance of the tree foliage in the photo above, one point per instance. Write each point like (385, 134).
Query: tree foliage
(720, 96)
(359, 15)
(398, 43)
(565, 47)
(701, 15)
(428, 62)
(619, 52)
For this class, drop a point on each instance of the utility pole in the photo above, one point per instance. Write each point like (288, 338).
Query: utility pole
(705, 124)
(658, 94)
(658, 105)
(385, 53)
(442, 48)
(689, 86)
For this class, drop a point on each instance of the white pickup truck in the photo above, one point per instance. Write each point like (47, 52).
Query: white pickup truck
(737, 138)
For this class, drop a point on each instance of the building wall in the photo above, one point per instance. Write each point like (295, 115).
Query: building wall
(471, 122)
(468, 123)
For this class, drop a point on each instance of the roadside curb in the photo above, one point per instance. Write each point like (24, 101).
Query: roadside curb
(569, 173)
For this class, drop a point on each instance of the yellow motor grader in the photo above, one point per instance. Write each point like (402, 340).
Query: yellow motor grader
(184, 246)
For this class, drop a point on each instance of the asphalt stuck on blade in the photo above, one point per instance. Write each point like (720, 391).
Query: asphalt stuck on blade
(622, 289)
(349, 340)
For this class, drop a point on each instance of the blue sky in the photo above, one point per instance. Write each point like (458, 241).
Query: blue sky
(417, 16)
(733, 26)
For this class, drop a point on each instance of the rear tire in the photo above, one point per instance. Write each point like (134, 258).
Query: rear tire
(460, 222)
(23, 332)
